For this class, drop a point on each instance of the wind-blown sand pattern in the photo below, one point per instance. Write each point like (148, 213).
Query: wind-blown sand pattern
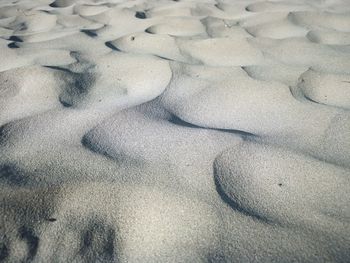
(174, 131)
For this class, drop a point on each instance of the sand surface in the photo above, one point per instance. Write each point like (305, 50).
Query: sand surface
(174, 131)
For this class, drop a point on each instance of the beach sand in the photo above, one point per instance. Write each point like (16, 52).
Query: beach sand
(174, 131)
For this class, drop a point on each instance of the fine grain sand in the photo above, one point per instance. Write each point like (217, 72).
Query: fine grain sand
(174, 131)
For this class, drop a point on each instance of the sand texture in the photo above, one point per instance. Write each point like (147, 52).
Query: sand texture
(174, 131)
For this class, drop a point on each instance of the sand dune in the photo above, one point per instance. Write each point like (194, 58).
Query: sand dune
(174, 131)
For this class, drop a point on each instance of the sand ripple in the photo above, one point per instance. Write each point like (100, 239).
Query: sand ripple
(174, 131)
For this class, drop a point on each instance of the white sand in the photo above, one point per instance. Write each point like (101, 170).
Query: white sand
(174, 131)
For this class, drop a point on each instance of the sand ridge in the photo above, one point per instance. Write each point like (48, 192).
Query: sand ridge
(174, 131)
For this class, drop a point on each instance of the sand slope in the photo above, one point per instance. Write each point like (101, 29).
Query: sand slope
(174, 131)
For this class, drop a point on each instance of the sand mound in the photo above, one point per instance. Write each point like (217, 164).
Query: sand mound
(278, 185)
(329, 89)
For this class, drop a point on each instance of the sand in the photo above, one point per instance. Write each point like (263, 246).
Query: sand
(174, 131)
